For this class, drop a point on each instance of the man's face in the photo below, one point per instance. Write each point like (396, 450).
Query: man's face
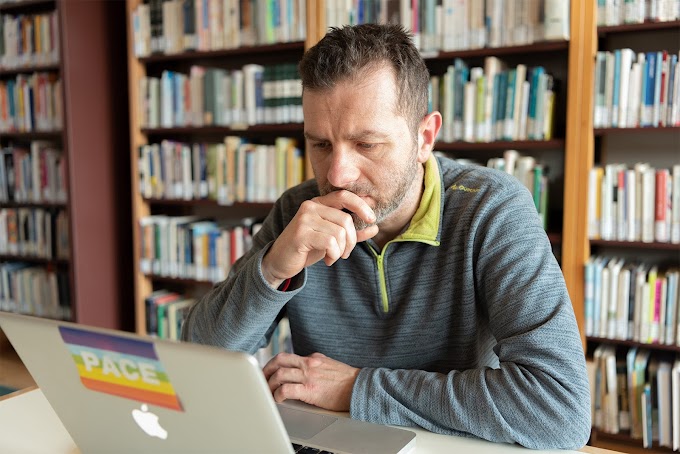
(358, 142)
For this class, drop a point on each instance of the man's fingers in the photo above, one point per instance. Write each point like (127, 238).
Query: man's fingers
(316, 380)
(322, 229)
(367, 233)
(294, 391)
(344, 223)
(328, 230)
(330, 246)
(285, 375)
(343, 199)
(282, 360)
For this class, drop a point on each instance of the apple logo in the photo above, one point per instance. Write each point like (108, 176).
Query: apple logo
(148, 422)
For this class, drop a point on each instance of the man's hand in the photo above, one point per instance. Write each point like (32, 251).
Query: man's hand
(319, 230)
(317, 380)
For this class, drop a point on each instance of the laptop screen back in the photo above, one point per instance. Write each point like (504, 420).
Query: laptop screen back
(106, 386)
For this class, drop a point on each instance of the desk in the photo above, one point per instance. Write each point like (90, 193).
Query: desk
(29, 425)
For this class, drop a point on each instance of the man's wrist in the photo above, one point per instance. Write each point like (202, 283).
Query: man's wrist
(273, 281)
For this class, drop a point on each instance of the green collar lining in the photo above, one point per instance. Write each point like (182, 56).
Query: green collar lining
(424, 225)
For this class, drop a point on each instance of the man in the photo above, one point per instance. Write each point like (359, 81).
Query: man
(419, 292)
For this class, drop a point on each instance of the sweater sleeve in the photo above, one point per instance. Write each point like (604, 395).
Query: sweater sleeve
(242, 312)
(539, 395)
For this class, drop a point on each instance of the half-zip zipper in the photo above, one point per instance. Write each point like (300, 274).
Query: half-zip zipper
(381, 275)
(380, 261)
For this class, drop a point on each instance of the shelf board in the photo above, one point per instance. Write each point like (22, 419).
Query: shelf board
(21, 5)
(32, 135)
(500, 145)
(176, 280)
(554, 237)
(536, 48)
(50, 67)
(210, 202)
(29, 259)
(647, 130)
(248, 51)
(542, 47)
(644, 27)
(627, 439)
(32, 205)
(630, 343)
(283, 128)
(636, 244)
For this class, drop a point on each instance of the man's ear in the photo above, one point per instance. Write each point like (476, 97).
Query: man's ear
(427, 135)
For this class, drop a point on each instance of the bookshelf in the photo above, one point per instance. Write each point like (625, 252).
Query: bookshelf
(284, 50)
(603, 145)
(564, 59)
(89, 67)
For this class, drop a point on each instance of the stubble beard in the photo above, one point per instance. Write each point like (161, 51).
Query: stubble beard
(397, 189)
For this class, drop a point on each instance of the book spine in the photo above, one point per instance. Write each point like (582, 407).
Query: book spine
(661, 233)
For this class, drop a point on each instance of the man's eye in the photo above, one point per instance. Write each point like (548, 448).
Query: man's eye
(367, 146)
(321, 145)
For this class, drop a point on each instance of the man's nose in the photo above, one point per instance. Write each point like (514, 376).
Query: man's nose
(343, 169)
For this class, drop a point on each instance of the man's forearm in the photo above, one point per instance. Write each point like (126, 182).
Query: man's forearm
(238, 313)
(512, 404)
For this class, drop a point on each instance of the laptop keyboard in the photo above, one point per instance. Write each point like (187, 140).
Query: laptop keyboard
(299, 449)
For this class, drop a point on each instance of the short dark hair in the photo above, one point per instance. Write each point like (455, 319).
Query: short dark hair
(345, 52)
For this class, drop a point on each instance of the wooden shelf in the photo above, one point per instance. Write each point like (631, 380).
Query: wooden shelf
(284, 128)
(36, 260)
(209, 202)
(225, 53)
(636, 245)
(176, 280)
(32, 135)
(49, 67)
(32, 205)
(26, 5)
(630, 343)
(644, 27)
(608, 131)
(501, 145)
(627, 439)
(536, 48)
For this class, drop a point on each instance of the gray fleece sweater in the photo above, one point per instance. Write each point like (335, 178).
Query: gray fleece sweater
(461, 325)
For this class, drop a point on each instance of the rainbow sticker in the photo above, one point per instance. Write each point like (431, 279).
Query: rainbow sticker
(121, 367)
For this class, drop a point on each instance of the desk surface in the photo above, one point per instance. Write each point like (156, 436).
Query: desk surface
(29, 425)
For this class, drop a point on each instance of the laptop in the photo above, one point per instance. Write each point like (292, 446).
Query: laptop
(120, 392)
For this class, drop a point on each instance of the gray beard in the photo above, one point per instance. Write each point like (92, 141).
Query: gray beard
(384, 208)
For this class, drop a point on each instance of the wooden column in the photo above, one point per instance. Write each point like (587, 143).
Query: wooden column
(136, 71)
(579, 150)
(95, 140)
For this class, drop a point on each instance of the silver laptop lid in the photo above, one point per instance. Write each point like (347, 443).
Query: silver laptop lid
(106, 385)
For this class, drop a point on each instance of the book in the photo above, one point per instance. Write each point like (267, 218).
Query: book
(675, 393)
(176, 314)
(675, 205)
(623, 302)
(639, 415)
(662, 211)
(672, 304)
(152, 302)
(595, 176)
(646, 403)
(663, 403)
